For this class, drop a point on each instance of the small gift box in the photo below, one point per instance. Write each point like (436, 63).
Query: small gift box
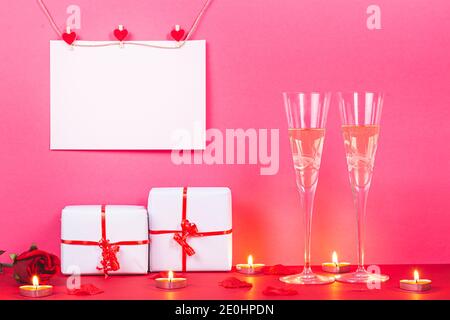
(190, 229)
(104, 240)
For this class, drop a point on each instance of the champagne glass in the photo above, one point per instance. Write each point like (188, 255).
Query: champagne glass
(360, 117)
(306, 115)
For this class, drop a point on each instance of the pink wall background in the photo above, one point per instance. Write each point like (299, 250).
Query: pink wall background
(256, 49)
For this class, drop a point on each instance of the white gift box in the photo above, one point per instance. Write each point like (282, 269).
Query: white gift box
(125, 225)
(209, 209)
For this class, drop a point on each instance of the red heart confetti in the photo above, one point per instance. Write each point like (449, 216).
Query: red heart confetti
(177, 35)
(274, 291)
(120, 34)
(279, 269)
(85, 290)
(69, 38)
(233, 282)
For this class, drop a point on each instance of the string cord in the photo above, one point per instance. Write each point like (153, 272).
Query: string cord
(176, 45)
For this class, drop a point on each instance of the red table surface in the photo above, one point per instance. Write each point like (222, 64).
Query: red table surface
(204, 285)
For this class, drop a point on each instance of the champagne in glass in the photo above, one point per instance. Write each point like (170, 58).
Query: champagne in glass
(360, 116)
(360, 147)
(306, 114)
(306, 147)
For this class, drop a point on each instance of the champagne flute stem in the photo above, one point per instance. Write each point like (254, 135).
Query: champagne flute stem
(307, 195)
(360, 198)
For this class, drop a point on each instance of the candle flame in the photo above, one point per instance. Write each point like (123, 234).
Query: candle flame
(250, 260)
(170, 276)
(416, 275)
(35, 281)
(334, 258)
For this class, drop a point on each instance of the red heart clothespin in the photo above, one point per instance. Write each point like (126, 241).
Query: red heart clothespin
(177, 33)
(120, 33)
(69, 36)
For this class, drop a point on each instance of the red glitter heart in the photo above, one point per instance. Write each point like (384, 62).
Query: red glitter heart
(177, 35)
(69, 38)
(121, 34)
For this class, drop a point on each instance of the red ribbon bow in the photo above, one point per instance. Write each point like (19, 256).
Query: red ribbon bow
(188, 229)
(109, 261)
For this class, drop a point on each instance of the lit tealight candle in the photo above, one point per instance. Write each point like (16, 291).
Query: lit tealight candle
(335, 266)
(250, 267)
(36, 290)
(417, 284)
(170, 282)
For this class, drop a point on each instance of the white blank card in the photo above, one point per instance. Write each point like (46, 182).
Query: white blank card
(135, 97)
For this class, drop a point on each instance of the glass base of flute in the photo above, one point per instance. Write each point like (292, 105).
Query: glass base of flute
(307, 277)
(361, 275)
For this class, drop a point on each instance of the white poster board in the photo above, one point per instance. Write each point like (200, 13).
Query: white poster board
(136, 97)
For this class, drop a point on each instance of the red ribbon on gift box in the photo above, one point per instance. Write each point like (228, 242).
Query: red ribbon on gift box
(109, 260)
(188, 229)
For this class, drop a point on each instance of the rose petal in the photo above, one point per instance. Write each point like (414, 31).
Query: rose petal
(233, 282)
(279, 269)
(85, 290)
(274, 291)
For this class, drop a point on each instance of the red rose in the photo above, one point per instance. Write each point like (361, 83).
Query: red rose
(35, 262)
